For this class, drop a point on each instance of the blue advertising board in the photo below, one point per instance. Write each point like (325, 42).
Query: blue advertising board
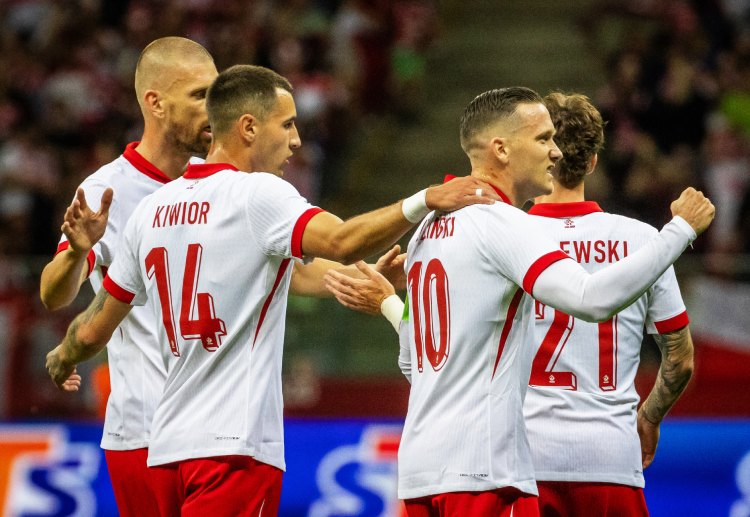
(343, 468)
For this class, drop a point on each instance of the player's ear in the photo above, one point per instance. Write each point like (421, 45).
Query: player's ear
(592, 164)
(247, 125)
(499, 149)
(152, 101)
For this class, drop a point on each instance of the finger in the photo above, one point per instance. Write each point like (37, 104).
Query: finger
(106, 201)
(335, 285)
(354, 303)
(75, 210)
(488, 191)
(366, 270)
(344, 279)
(81, 198)
(390, 255)
(69, 388)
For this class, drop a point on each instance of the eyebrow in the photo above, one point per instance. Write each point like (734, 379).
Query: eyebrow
(547, 134)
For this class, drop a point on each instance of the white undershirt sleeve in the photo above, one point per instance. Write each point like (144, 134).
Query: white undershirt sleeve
(566, 286)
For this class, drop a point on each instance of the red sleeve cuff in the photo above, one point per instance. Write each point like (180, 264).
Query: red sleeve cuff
(672, 324)
(116, 291)
(299, 230)
(538, 267)
(91, 258)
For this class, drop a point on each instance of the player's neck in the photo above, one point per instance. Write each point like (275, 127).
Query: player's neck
(222, 152)
(500, 181)
(171, 162)
(561, 194)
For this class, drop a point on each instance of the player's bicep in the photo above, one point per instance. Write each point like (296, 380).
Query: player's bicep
(316, 239)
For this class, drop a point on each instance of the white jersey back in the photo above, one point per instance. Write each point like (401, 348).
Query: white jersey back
(580, 408)
(136, 369)
(212, 251)
(468, 333)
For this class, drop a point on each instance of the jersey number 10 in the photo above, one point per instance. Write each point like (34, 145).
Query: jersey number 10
(429, 295)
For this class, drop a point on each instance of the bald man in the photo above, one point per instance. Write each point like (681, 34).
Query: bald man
(171, 80)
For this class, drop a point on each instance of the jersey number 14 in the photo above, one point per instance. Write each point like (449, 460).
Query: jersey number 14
(205, 326)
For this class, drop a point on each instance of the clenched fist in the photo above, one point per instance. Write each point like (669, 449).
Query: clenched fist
(695, 208)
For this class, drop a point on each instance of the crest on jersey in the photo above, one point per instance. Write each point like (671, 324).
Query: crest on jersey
(570, 223)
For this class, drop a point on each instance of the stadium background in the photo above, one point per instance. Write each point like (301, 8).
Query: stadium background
(380, 86)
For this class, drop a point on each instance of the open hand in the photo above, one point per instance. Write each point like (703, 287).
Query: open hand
(82, 226)
(460, 192)
(391, 266)
(360, 294)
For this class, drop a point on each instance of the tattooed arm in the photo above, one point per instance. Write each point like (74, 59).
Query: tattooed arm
(674, 373)
(86, 336)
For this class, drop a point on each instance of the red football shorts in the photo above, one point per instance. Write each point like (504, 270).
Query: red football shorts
(133, 483)
(492, 503)
(221, 486)
(573, 498)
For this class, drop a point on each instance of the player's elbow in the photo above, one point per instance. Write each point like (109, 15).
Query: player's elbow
(595, 313)
(49, 300)
(684, 367)
(343, 249)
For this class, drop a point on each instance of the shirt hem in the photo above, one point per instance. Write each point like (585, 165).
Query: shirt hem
(126, 446)
(525, 486)
(163, 459)
(588, 477)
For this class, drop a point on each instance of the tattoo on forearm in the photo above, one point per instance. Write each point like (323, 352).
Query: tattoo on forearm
(674, 374)
(96, 306)
(71, 342)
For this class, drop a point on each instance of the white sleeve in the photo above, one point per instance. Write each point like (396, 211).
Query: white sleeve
(566, 286)
(666, 309)
(278, 214)
(404, 351)
(124, 280)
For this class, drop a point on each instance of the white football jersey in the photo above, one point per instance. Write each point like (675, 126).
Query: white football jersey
(136, 369)
(580, 408)
(212, 251)
(468, 332)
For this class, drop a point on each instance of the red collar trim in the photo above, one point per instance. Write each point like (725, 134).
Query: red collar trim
(499, 192)
(203, 170)
(561, 210)
(143, 165)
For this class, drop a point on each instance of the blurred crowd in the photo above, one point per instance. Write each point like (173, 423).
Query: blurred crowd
(677, 102)
(67, 103)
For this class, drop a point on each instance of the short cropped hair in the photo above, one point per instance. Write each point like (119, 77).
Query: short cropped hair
(491, 106)
(580, 134)
(242, 89)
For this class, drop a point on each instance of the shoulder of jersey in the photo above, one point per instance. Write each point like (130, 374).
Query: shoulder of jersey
(109, 172)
